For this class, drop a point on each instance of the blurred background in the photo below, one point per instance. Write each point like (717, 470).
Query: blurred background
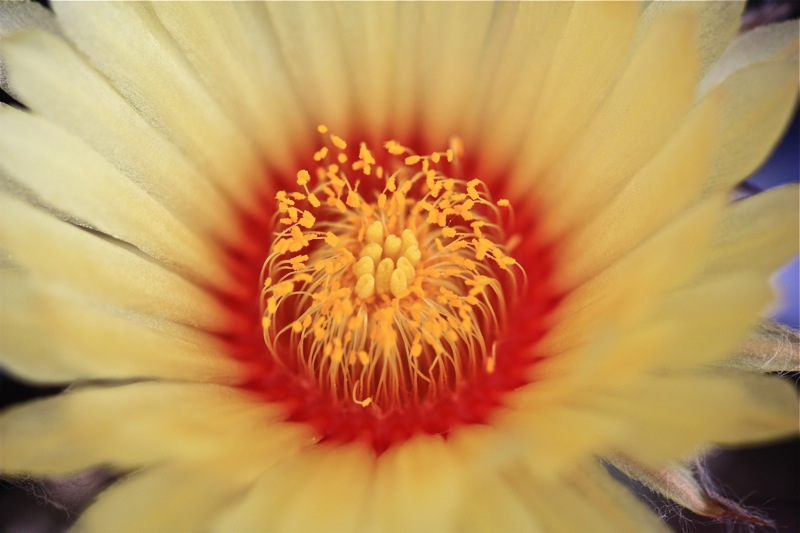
(765, 478)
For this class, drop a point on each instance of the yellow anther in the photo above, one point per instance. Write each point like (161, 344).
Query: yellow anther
(449, 155)
(392, 246)
(298, 262)
(383, 275)
(365, 286)
(503, 202)
(375, 232)
(365, 265)
(313, 200)
(353, 199)
(338, 142)
(342, 158)
(331, 239)
(267, 282)
(272, 305)
(303, 177)
(382, 200)
(449, 232)
(322, 128)
(394, 147)
(266, 322)
(363, 357)
(307, 220)
(282, 289)
(297, 327)
(321, 154)
(412, 160)
(391, 184)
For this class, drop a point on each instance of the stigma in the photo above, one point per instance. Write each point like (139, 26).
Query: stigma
(386, 281)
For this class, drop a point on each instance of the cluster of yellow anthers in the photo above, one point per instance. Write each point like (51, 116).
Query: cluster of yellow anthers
(387, 297)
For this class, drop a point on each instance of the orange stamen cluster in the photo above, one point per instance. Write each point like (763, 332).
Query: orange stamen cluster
(387, 295)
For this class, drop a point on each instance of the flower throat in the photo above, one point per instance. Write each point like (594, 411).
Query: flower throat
(385, 286)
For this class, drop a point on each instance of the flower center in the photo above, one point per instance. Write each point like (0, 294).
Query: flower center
(385, 286)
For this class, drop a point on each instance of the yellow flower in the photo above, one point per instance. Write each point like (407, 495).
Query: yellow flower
(388, 266)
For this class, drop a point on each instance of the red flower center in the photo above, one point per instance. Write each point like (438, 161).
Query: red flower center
(398, 295)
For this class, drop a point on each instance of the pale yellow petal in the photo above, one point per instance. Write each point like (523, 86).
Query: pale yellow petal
(758, 234)
(632, 124)
(452, 40)
(141, 424)
(126, 42)
(417, 488)
(52, 336)
(15, 16)
(695, 326)
(667, 259)
(666, 186)
(369, 30)
(597, 37)
(70, 177)
(225, 57)
(758, 105)
(64, 253)
(674, 416)
(583, 498)
(321, 489)
(719, 20)
(772, 43)
(310, 41)
(512, 79)
(491, 504)
(56, 83)
(176, 497)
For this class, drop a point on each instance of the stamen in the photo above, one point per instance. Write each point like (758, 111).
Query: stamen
(392, 294)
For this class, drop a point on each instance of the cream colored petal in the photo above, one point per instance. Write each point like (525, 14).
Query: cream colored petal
(75, 180)
(176, 497)
(321, 489)
(584, 498)
(56, 83)
(666, 186)
(223, 54)
(64, 253)
(773, 43)
(758, 234)
(141, 424)
(719, 20)
(126, 42)
(759, 102)
(491, 504)
(49, 335)
(310, 41)
(206, 487)
(673, 417)
(667, 259)
(511, 80)
(15, 16)
(452, 39)
(369, 35)
(633, 123)
(597, 39)
(417, 488)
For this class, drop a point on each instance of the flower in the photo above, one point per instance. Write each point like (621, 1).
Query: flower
(389, 267)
